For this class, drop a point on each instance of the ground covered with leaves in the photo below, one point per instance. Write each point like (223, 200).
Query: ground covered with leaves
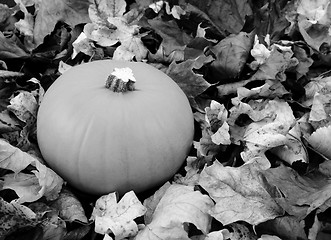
(257, 75)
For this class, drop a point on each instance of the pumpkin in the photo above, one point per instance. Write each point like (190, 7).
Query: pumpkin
(105, 132)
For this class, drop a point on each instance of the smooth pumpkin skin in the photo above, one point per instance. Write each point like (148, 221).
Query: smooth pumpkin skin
(100, 141)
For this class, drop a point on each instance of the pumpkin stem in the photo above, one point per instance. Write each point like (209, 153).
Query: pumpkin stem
(121, 80)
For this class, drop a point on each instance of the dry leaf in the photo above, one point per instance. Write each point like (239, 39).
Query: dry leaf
(272, 120)
(302, 194)
(240, 194)
(191, 83)
(14, 216)
(24, 106)
(69, 207)
(117, 218)
(231, 55)
(179, 205)
(320, 140)
(100, 10)
(49, 12)
(29, 187)
(294, 149)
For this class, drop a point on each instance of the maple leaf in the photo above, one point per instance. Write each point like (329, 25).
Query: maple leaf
(240, 194)
(231, 55)
(302, 194)
(100, 10)
(227, 15)
(111, 26)
(174, 40)
(117, 218)
(313, 20)
(191, 83)
(178, 205)
(275, 65)
(271, 122)
(49, 12)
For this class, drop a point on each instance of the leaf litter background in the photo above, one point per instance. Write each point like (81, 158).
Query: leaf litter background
(257, 74)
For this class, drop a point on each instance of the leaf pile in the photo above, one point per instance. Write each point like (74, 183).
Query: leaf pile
(257, 77)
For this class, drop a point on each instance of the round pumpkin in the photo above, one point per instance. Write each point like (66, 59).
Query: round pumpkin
(103, 136)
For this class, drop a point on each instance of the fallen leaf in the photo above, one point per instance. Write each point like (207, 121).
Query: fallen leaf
(111, 26)
(52, 227)
(215, 235)
(317, 85)
(231, 55)
(11, 47)
(215, 129)
(228, 16)
(100, 10)
(293, 150)
(271, 89)
(173, 38)
(24, 106)
(302, 194)
(271, 121)
(274, 66)
(8, 123)
(268, 237)
(314, 20)
(320, 140)
(117, 218)
(320, 108)
(50, 12)
(191, 83)
(305, 61)
(14, 216)
(286, 227)
(26, 26)
(260, 51)
(179, 205)
(152, 202)
(130, 48)
(316, 11)
(69, 207)
(29, 187)
(238, 231)
(192, 172)
(83, 44)
(314, 34)
(241, 194)
(205, 146)
(10, 74)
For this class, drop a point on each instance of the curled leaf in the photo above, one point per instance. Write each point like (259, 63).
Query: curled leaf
(28, 186)
(69, 207)
(320, 140)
